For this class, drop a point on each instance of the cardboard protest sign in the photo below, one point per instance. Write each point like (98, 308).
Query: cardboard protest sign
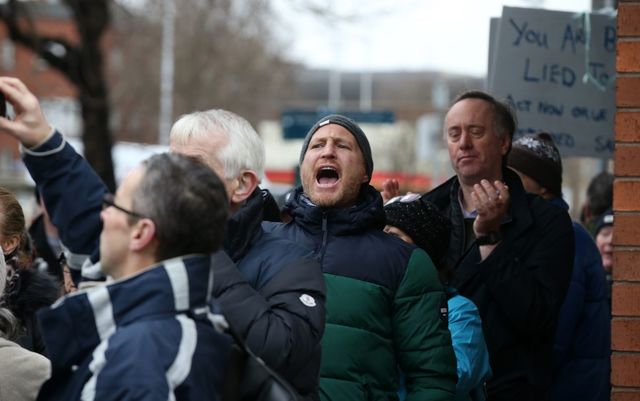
(557, 70)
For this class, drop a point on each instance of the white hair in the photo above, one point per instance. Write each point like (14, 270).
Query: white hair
(244, 150)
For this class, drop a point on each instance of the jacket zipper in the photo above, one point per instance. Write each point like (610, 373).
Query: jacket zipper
(368, 393)
(325, 234)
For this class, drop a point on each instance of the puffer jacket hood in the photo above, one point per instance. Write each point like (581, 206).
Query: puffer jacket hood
(244, 226)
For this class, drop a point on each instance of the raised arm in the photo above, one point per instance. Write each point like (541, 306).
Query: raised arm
(71, 189)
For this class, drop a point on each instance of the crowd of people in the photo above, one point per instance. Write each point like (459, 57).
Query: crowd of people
(480, 289)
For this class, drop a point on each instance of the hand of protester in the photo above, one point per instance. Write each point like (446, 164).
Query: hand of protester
(29, 126)
(69, 285)
(390, 189)
(492, 203)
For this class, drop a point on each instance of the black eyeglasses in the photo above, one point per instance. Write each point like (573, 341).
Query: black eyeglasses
(108, 200)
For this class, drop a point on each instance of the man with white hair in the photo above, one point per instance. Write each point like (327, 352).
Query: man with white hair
(284, 321)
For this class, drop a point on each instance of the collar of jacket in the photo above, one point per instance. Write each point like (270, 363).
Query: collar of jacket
(77, 323)
(560, 203)
(244, 226)
(366, 214)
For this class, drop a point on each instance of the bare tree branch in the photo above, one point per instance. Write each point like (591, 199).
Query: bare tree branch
(81, 64)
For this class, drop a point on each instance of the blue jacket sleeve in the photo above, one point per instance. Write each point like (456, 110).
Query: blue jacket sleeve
(72, 193)
(472, 356)
(586, 254)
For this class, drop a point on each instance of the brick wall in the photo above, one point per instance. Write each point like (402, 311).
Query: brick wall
(625, 340)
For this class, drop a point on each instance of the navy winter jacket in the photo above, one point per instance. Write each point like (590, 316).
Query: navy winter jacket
(582, 348)
(284, 321)
(145, 337)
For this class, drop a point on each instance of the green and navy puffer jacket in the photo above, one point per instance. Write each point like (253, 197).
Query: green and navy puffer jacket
(385, 310)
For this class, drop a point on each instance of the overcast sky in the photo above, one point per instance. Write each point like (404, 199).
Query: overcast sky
(447, 35)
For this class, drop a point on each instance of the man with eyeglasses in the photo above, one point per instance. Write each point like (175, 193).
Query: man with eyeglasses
(149, 334)
(274, 298)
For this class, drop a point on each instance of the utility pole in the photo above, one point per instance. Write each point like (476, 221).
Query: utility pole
(166, 72)
(335, 89)
(366, 91)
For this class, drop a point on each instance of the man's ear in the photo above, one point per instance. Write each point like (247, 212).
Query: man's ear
(545, 193)
(244, 186)
(142, 234)
(365, 179)
(505, 144)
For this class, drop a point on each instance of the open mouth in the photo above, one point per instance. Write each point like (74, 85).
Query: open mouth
(327, 176)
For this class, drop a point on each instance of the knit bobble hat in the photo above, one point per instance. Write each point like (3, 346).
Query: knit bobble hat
(538, 157)
(606, 219)
(424, 223)
(350, 126)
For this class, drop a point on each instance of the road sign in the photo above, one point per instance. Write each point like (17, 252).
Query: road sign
(296, 123)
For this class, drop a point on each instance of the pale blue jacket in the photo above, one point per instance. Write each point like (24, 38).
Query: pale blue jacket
(472, 356)
(471, 351)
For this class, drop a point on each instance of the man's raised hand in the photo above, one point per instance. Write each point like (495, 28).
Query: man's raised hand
(29, 126)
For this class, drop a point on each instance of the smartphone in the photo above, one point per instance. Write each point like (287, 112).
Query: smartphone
(3, 105)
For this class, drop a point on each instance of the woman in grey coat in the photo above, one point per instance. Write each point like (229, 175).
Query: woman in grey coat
(22, 372)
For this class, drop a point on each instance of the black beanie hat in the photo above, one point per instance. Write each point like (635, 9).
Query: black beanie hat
(606, 219)
(424, 223)
(350, 126)
(538, 157)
